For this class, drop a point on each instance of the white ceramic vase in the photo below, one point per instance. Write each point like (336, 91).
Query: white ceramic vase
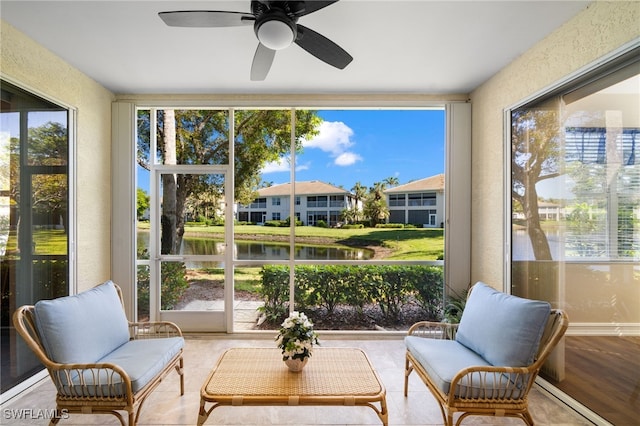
(296, 365)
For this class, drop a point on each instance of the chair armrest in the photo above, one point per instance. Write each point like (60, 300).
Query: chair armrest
(99, 381)
(491, 383)
(153, 330)
(433, 330)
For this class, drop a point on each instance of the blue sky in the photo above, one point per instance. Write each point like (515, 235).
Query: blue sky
(365, 146)
(369, 146)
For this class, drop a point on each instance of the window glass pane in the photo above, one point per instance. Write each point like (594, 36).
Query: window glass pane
(576, 234)
(48, 143)
(248, 311)
(192, 136)
(143, 212)
(49, 214)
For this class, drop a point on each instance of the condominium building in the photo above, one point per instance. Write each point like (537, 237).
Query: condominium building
(314, 201)
(420, 202)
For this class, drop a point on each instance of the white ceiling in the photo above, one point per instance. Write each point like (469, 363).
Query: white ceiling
(428, 47)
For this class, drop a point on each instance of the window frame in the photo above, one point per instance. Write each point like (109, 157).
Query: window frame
(457, 127)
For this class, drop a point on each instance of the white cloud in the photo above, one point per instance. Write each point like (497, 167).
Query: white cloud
(334, 137)
(281, 165)
(347, 159)
(300, 167)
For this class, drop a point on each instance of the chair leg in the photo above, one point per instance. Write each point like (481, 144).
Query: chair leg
(526, 416)
(180, 370)
(407, 371)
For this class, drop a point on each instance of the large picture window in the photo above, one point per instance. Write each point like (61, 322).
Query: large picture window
(335, 252)
(575, 229)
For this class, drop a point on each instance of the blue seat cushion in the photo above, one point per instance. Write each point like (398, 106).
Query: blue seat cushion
(84, 327)
(443, 359)
(503, 329)
(142, 360)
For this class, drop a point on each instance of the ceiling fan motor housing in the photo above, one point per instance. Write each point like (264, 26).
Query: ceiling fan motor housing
(275, 29)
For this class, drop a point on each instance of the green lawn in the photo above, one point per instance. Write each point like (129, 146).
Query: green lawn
(45, 241)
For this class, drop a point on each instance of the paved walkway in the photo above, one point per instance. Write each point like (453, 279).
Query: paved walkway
(245, 312)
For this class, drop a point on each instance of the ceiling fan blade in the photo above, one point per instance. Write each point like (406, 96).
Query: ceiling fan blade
(206, 18)
(262, 61)
(312, 6)
(322, 48)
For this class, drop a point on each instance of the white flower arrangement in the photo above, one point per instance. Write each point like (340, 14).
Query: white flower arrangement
(296, 337)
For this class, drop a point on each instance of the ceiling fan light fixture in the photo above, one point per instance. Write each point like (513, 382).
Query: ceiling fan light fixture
(276, 34)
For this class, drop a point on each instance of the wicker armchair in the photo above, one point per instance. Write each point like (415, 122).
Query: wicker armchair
(474, 386)
(119, 381)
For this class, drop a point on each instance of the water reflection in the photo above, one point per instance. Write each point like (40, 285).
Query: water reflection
(261, 250)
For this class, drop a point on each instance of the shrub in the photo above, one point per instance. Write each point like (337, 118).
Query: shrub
(321, 224)
(327, 286)
(275, 292)
(390, 225)
(353, 226)
(287, 222)
(392, 289)
(173, 283)
(428, 284)
(172, 287)
(218, 221)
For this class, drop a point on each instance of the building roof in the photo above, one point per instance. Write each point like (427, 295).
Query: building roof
(311, 187)
(433, 183)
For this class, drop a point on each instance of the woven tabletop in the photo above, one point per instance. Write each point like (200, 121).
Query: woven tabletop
(255, 372)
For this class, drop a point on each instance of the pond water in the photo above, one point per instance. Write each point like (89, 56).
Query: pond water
(261, 250)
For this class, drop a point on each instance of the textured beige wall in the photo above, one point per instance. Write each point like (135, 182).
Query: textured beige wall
(600, 29)
(28, 64)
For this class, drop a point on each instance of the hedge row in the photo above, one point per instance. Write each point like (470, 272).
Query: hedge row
(327, 286)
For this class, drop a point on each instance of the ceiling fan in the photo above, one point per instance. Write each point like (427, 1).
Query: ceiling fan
(275, 25)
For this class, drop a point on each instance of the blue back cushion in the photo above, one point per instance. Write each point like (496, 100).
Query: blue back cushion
(505, 330)
(82, 328)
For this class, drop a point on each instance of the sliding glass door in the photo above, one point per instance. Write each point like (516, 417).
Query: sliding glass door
(575, 231)
(34, 216)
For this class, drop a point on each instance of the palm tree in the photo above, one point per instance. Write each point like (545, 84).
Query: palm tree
(391, 181)
(375, 206)
(359, 191)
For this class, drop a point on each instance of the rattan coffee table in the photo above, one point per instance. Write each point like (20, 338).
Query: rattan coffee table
(258, 376)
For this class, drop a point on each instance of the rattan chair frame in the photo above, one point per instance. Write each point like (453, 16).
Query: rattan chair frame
(84, 399)
(508, 402)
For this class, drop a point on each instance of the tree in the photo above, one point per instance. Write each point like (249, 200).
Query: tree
(375, 205)
(142, 202)
(48, 145)
(350, 215)
(360, 192)
(202, 137)
(535, 140)
(391, 181)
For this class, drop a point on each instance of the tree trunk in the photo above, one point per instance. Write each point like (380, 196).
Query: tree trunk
(538, 239)
(169, 218)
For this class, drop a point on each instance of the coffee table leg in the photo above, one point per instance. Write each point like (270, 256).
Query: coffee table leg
(202, 414)
(384, 414)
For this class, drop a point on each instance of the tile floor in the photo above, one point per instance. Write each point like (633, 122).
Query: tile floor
(166, 407)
